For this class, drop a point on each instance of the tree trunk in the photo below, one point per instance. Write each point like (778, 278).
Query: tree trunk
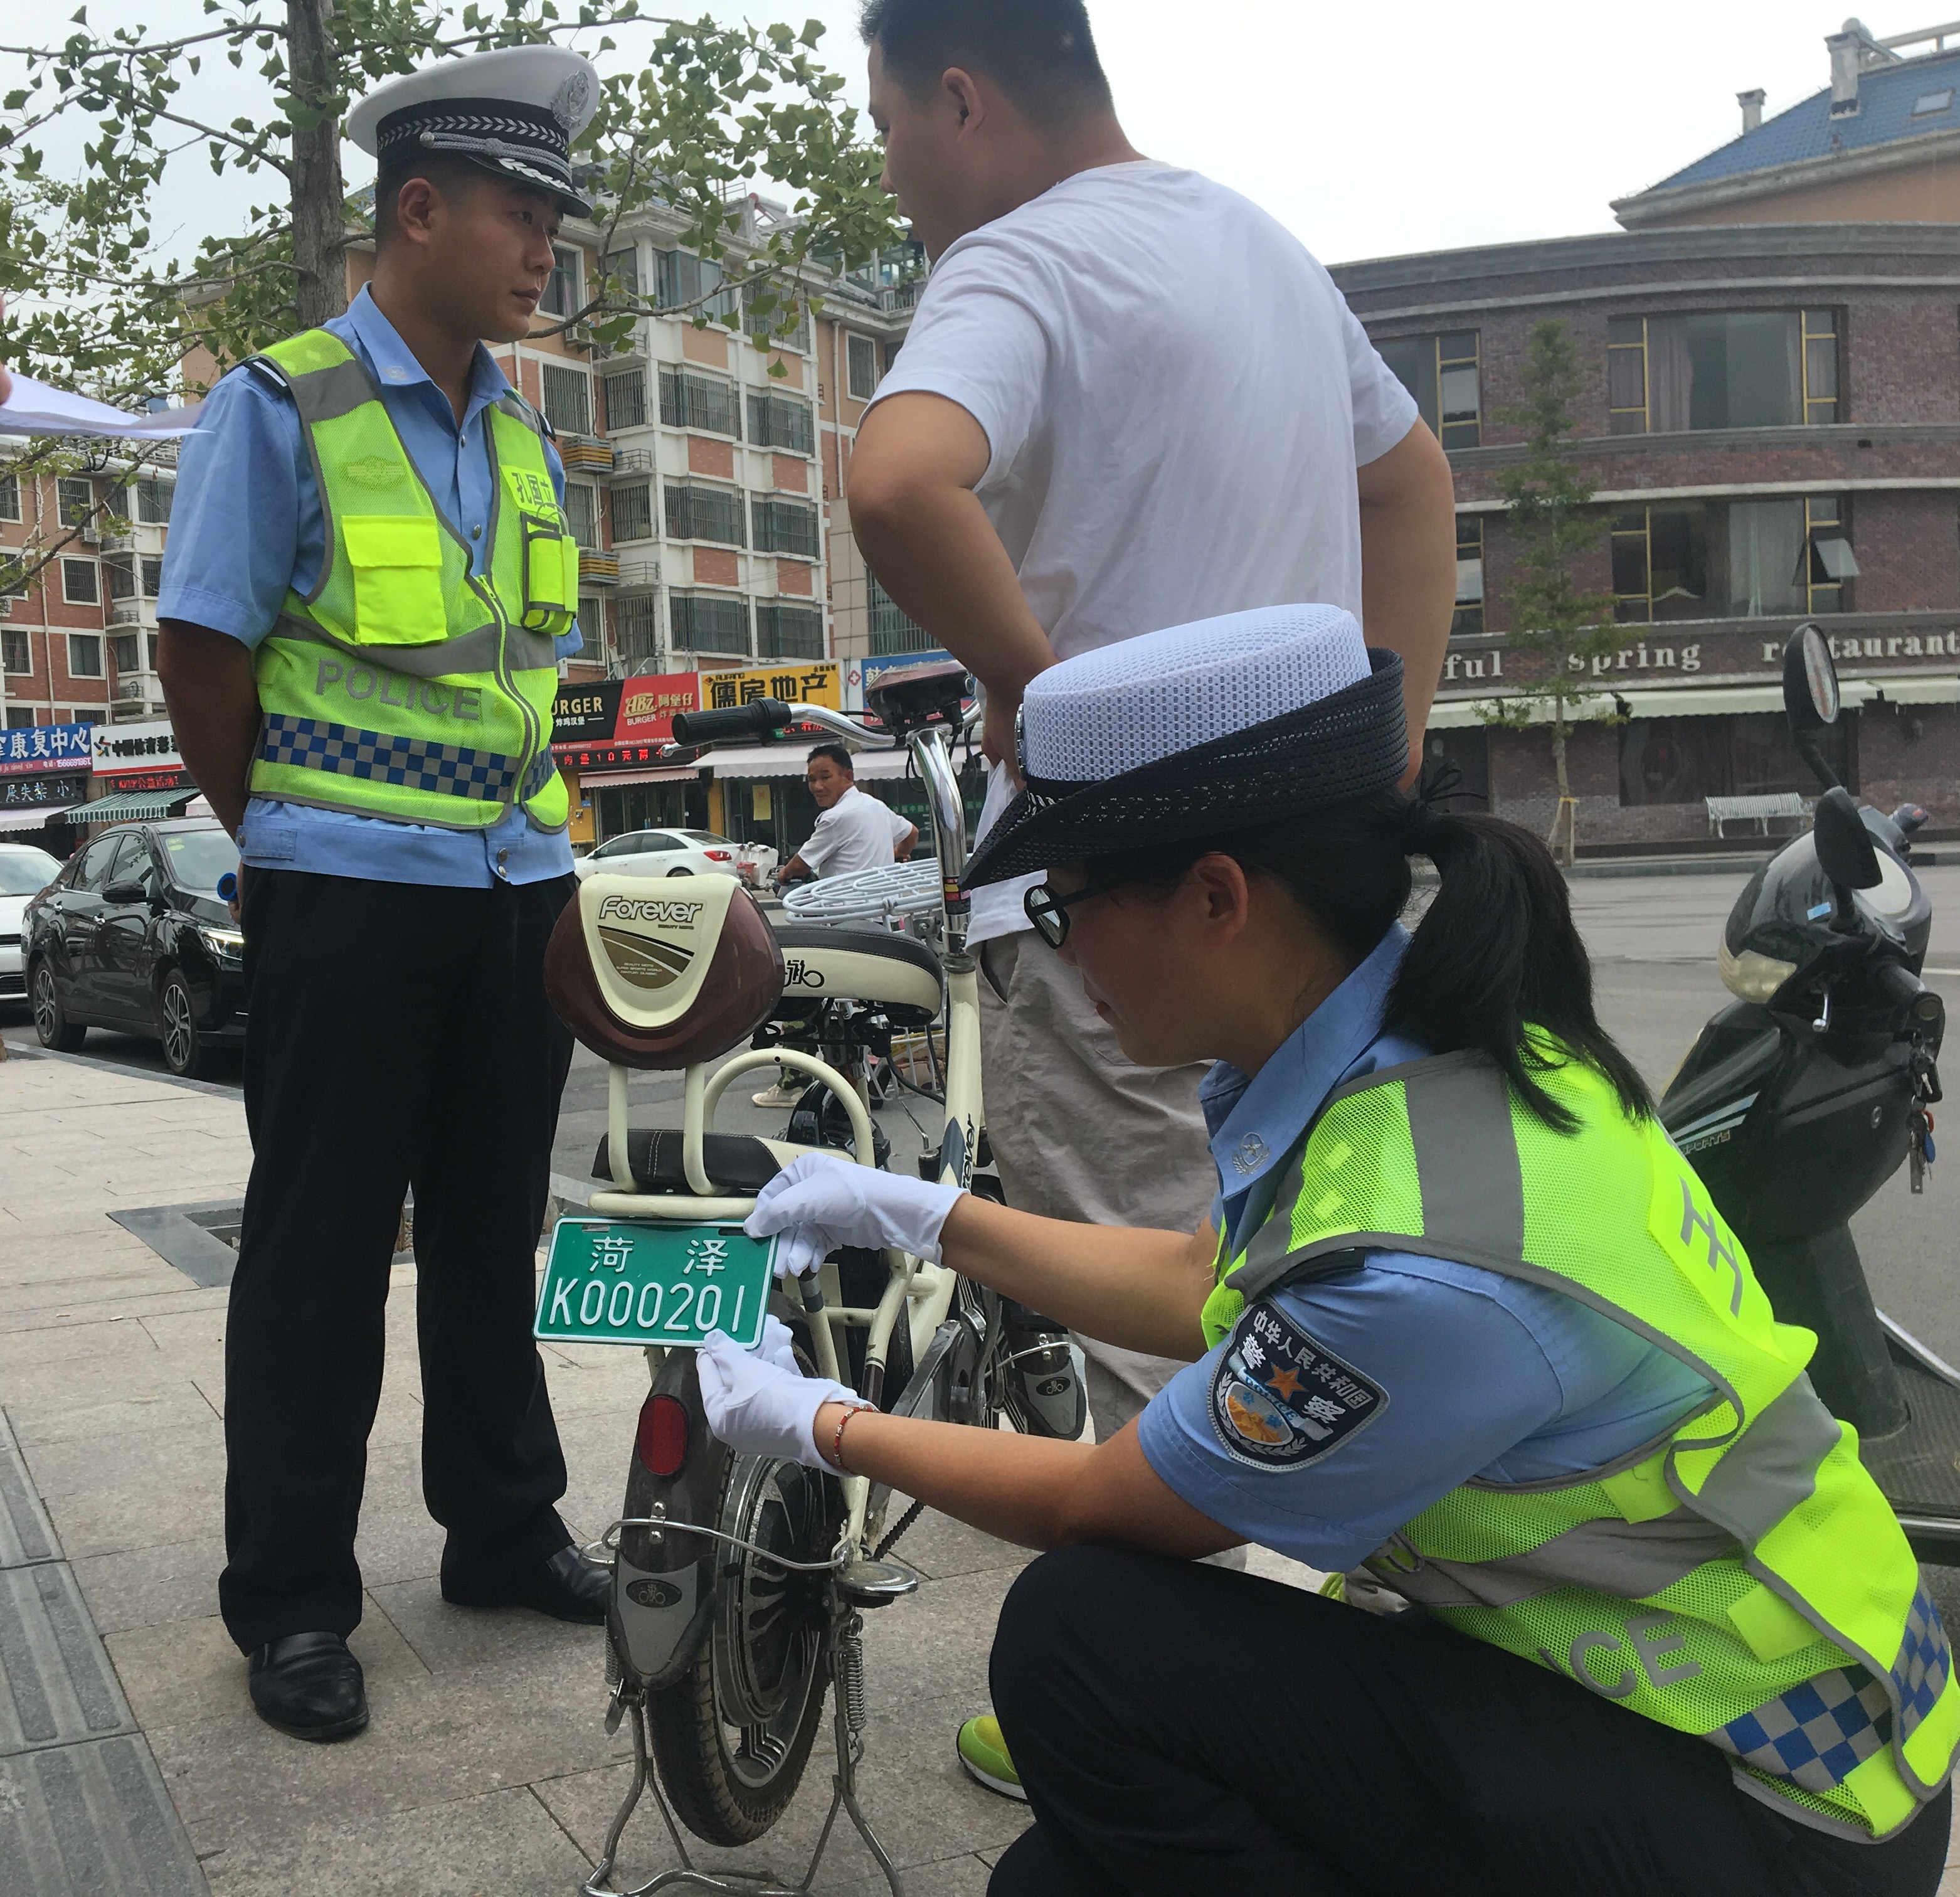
(318, 194)
(1564, 837)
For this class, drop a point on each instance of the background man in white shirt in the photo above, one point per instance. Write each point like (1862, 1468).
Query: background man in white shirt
(1128, 399)
(853, 831)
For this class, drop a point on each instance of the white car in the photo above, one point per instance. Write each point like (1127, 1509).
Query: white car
(25, 870)
(678, 853)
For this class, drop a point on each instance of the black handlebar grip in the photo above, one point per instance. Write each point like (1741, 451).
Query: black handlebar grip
(758, 718)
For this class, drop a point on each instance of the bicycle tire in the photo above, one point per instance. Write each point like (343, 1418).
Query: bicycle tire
(688, 1723)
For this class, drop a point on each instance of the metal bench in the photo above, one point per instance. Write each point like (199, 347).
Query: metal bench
(1758, 810)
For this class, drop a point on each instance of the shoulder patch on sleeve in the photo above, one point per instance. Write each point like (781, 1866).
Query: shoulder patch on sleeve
(1279, 1399)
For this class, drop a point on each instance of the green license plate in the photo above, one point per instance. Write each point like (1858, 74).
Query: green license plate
(612, 1281)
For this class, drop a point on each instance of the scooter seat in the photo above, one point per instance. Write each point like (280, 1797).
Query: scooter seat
(735, 1162)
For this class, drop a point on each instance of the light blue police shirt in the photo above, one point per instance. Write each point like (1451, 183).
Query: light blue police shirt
(1435, 1372)
(246, 525)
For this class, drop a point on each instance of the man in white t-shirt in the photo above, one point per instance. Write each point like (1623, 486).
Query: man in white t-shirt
(1129, 399)
(853, 832)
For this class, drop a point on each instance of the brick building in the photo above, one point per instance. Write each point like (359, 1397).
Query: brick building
(1770, 424)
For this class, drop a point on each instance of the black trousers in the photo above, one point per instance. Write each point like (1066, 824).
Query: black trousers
(396, 1034)
(1181, 1728)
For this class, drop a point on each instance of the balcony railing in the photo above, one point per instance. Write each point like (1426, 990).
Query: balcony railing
(132, 612)
(137, 688)
(631, 461)
(638, 574)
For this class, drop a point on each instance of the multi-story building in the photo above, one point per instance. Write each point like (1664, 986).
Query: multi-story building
(1769, 425)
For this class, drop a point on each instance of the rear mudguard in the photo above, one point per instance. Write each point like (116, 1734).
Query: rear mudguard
(663, 1591)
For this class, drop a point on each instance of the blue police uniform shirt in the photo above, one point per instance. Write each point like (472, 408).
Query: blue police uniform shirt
(246, 525)
(1454, 1372)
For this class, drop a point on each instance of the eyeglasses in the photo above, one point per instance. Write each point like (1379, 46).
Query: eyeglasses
(1049, 912)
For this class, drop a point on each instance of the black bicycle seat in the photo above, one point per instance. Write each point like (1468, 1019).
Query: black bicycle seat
(735, 1162)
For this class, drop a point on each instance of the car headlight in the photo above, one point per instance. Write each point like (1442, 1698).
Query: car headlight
(227, 945)
(1751, 977)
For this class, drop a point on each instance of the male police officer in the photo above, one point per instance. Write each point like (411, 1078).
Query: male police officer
(369, 586)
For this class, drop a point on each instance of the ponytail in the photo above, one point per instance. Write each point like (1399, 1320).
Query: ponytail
(1496, 954)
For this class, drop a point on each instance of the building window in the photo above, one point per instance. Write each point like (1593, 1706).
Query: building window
(151, 566)
(128, 648)
(690, 401)
(1737, 369)
(861, 356)
(10, 497)
(1469, 575)
(1682, 760)
(1442, 373)
(761, 325)
(85, 655)
(788, 631)
(781, 422)
(709, 622)
(153, 501)
(567, 399)
(80, 584)
(891, 631)
(16, 653)
(592, 623)
(636, 627)
(691, 286)
(633, 512)
(1827, 528)
(121, 569)
(561, 296)
(698, 513)
(626, 401)
(74, 500)
(1730, 559)
(623, 267)
(785, 527)
(581, 512)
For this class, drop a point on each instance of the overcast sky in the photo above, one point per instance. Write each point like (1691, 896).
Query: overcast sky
(1369, 131)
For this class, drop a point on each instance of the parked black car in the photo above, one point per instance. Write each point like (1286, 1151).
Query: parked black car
(133, 935)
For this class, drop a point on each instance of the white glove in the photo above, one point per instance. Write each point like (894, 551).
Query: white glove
(821, 1200)
(759, 1404)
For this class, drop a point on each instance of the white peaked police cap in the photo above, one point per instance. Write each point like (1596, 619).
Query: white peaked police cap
(1226, 723)
(1096, 716)
(514, 112)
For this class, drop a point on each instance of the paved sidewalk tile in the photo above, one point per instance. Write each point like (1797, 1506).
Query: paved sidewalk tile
(80, 1821)
(60, 1687)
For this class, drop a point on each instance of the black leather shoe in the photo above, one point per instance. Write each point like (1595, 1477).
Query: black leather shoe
(567, 1586)
(309, 1686)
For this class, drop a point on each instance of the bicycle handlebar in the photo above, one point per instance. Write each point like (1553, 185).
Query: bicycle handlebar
(759, 719)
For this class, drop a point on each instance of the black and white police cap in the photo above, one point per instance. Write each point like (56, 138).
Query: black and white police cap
(514, 112)
(1197, 730)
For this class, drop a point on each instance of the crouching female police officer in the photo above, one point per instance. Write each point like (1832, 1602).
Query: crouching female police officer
(1462, 1316)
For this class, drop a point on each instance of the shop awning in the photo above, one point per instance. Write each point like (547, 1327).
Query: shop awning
(31, 817)
(625, 780)
(787, 760)
(1911, 689)
(128, 807)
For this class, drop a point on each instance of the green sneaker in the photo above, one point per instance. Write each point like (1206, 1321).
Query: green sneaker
(984, 1752)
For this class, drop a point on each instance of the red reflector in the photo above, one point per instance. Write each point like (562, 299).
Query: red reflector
(716, 856)
(662, 1440)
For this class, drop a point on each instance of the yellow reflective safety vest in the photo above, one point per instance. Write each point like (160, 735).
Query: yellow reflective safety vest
(1740, 1577)
(402, 686)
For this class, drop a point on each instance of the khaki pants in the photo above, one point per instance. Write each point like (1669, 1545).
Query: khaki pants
(1079, 1132)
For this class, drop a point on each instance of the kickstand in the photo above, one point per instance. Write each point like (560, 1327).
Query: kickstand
(846, 1655)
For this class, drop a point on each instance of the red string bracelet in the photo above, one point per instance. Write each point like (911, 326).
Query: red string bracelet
(837, 1437)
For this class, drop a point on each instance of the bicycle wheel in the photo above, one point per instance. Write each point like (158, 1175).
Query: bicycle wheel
(731, 1737)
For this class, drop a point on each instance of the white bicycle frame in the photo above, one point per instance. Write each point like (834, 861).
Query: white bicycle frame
(918, 1292)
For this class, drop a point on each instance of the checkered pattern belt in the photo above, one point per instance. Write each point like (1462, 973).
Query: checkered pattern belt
(452, 770)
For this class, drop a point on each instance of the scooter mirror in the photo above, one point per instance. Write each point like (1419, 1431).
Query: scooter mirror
(1845, 852)
(1810, 694)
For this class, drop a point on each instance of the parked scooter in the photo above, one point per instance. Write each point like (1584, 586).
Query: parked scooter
(1799, 1099)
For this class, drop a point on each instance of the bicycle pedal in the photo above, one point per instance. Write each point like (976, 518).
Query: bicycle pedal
(866, 1583)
